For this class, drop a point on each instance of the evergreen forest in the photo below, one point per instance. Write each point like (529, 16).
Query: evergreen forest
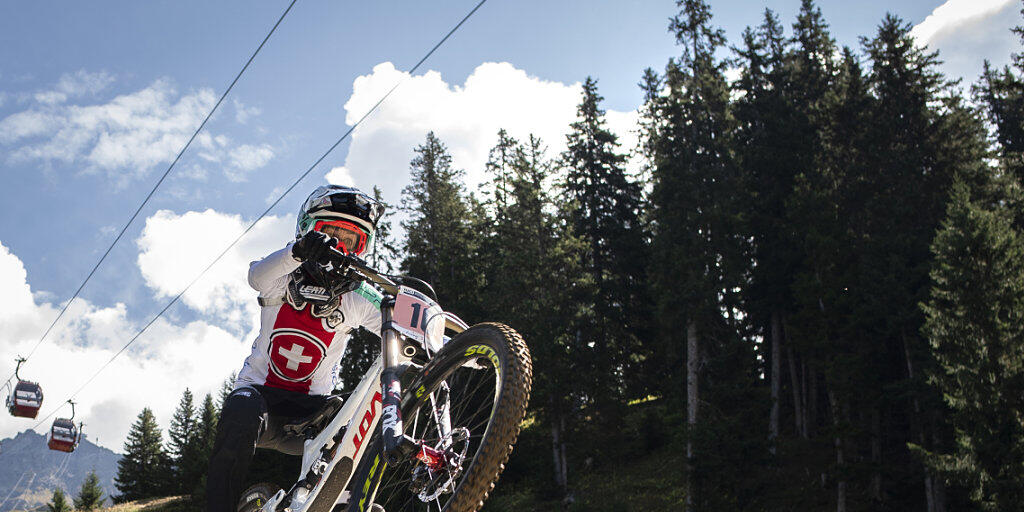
(810, 296)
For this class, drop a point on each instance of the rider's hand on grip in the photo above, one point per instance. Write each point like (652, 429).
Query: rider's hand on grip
(315, 247)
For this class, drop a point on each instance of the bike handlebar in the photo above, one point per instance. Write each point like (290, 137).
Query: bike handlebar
(355, 268)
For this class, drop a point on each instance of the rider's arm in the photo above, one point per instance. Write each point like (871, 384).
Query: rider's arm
(372, 319)
(263, 273)
(365, 306)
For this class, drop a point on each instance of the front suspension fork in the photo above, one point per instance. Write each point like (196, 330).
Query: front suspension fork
(397, 445)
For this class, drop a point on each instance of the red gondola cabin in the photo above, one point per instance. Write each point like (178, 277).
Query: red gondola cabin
(25, 400)
(64, 435)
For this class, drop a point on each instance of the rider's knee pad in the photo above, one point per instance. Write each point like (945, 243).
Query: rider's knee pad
(244, 416)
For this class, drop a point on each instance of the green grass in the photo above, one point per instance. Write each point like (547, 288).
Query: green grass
(634, 464)
(650, 483)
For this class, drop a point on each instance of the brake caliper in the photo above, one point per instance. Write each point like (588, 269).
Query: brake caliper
(433, 459)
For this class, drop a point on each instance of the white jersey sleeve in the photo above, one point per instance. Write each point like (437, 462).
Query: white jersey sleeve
(269, 276)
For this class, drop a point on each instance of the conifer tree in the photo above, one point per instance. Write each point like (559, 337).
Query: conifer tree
(207, 427)
(225, 389)
(182, 444)
(58, 502)
(533, 284)
(603, 209)
(145, 470)
(90, 495)
(923, 138)
(1002, 92)
(700, 241)
(206, 432)
(384, 253)
(765, 145)
(440, 243)
(975, 325)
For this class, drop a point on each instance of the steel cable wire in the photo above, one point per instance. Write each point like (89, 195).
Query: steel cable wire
(155, 187)
(267, 210)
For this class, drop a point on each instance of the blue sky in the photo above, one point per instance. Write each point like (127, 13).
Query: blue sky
(96, 98)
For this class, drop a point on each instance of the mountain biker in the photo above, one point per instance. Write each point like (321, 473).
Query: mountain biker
(307, 315)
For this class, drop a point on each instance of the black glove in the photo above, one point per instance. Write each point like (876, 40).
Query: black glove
(314, 246)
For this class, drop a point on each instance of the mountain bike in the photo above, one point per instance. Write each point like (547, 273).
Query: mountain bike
(430, 425)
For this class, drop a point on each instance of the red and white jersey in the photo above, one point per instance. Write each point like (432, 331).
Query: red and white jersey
(296, 350)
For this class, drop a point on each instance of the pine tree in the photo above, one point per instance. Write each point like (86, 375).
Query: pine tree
(766, 144)
(90, 495)
(225, 389)
(207, 428)
(440, 243)
(501, 162)
(923, 138)
(145, 470)
(604, 210)
(534, 282)
(384, 253)
(362, 350)
(58, 503)
(700, 241)
(975, 325)
(206, 432)
(181, 444)
(1002, 92)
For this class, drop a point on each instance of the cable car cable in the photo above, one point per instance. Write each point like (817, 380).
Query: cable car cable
(158, 183)
(269, 208)
(2, 503)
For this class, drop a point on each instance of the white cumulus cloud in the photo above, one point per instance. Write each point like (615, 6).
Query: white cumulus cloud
(243, 112)
(124, 137)
(152, 373)
(966, 32)
(465, 117)
(246, 158)
(174, 249)
(340, 176)
(72, 85)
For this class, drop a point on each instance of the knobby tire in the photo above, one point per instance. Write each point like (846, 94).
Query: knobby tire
(515, 373)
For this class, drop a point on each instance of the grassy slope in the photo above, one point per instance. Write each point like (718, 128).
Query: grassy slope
(636, 468)
(634, 465)
(168, 504)
(649, 483)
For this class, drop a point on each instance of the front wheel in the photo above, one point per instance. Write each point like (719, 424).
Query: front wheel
(256, 496)
(465, 405)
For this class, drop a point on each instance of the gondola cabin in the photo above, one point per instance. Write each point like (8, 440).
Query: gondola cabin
(64, 435)
(25, 400)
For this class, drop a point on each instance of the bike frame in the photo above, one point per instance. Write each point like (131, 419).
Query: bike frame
(330, 458)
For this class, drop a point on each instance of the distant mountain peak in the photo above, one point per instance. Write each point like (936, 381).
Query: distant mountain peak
(29, 471)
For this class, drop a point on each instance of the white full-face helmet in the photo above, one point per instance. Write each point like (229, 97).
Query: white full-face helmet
(345, 213)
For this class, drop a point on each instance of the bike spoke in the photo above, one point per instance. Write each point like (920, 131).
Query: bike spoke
(469, 407)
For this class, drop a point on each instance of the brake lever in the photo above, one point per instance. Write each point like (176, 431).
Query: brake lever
(357, 269)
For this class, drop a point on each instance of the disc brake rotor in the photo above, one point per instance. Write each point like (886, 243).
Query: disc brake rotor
(429, 481)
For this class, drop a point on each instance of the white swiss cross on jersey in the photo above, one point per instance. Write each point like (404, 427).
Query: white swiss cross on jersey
(295, 350)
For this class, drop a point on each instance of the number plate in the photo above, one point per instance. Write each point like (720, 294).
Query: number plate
(418, 317)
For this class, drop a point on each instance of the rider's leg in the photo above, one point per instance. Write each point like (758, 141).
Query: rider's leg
(241, 422)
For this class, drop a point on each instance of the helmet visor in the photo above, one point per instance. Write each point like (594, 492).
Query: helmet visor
(351, 239)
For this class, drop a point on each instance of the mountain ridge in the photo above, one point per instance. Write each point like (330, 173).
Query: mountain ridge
(29, 471)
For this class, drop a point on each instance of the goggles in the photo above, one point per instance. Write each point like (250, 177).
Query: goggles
(351, 239)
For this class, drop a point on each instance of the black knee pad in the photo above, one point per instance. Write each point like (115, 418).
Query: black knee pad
(244, 416)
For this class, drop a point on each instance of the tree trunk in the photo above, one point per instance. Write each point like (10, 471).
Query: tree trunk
(811, 407)
(692, 397)
(931, 483)
(773, 420)
(558, 450)
(938, 486)
(561, 448)
(840, 459)
(876, 456)
(798, 412)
